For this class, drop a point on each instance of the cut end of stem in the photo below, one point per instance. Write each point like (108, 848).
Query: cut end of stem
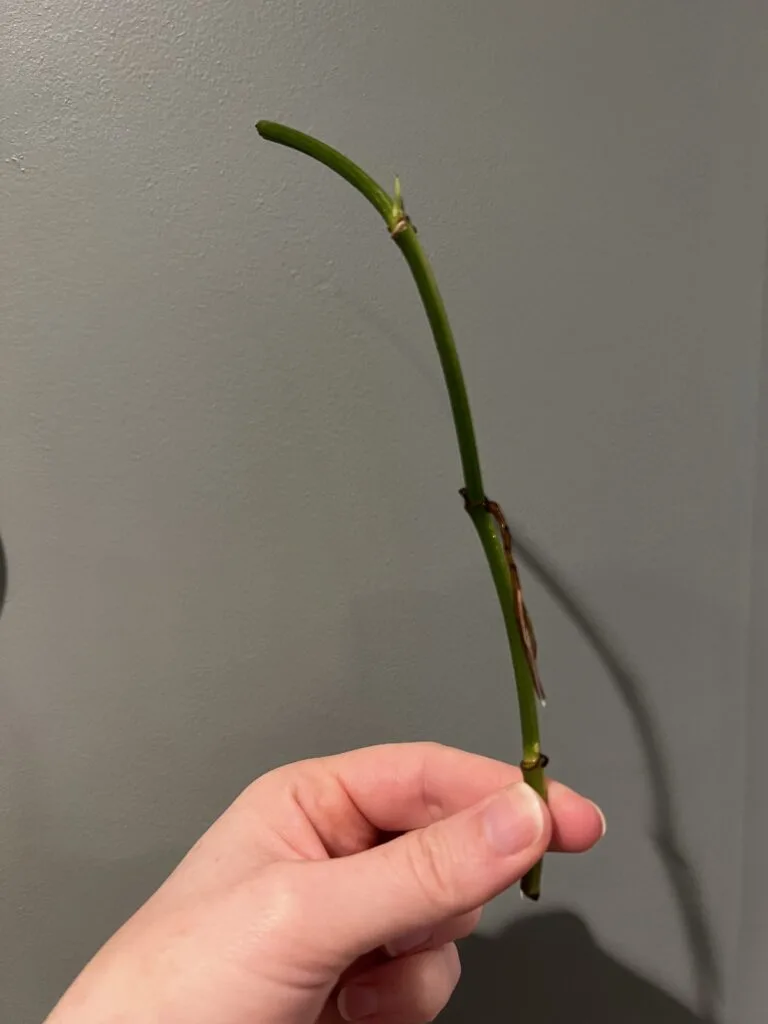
(530, 886)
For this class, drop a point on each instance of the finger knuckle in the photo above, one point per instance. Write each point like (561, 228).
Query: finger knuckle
(432, 867)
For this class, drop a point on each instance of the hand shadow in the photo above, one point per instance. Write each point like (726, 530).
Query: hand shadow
(548, 969)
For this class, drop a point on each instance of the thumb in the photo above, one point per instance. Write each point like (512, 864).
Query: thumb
(425, 876)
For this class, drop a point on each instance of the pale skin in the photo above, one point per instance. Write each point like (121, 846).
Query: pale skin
(332, 889)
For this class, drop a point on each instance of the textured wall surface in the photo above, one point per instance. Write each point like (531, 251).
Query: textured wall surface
(228, 477)
(753, 990)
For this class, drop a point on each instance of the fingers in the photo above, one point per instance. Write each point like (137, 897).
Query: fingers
(399, 787)
(577, 823)
(355, 904)
(403, 786)
(350, 797)
(411, 990)
(339, 806)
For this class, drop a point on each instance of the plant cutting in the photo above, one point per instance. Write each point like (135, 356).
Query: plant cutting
(487, 516)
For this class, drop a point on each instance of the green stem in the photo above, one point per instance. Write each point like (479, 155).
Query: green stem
(404, 234)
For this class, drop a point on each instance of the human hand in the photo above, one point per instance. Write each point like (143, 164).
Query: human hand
(332, 889)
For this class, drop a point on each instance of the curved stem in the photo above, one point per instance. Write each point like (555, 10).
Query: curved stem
(404, 234)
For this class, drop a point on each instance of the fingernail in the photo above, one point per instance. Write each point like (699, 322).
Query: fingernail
(356, 1002)
(514, 819)
(409, 942)
(603, 822)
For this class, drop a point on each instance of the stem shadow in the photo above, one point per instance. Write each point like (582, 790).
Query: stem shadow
(3, 576)
(382, 326)
(665, 836)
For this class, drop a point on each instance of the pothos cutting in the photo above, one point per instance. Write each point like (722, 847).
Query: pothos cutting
(488, 519)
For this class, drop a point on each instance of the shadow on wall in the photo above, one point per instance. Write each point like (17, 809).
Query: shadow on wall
(3, 576)
(666, 836)
(559, 975)
(405, 643)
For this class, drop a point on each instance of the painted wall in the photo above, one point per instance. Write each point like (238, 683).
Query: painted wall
(228, 477)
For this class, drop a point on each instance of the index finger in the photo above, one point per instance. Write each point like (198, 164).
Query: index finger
(403, 786)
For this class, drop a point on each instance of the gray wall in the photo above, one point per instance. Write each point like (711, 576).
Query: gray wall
(228, 477)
